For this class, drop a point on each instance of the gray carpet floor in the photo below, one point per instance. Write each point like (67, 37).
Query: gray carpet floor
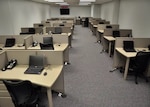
(88, 82)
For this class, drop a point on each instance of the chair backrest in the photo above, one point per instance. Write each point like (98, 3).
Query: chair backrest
(141, 61)
(21, 92)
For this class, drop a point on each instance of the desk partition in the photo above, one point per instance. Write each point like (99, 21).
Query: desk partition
(53, 80)
(38, 30)
(102, 27)
(19, 41)
(122, 58)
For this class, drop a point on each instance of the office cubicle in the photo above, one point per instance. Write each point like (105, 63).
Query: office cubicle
(53, 80)
(19, 41)
(109, 36)
(122, 58)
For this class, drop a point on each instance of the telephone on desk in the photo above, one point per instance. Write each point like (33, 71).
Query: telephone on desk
(11, 64)
(35, 43)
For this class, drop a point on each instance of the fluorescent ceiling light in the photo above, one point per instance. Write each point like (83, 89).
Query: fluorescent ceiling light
(84, 3)
(64, 3)
(55, 0)
(87, 0)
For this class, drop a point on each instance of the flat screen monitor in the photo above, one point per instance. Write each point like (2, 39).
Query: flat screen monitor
(64, 11)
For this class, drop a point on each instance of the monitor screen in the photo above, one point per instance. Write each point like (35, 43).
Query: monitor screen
(64, 11)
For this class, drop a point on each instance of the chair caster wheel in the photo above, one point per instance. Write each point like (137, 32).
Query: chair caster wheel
(62, 95)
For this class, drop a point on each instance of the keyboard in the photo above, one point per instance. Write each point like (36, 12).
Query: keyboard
(34, 70)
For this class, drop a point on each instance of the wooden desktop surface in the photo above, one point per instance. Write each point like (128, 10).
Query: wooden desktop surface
(109, 38)
(101, 31)
(131, 54)
(17, 73)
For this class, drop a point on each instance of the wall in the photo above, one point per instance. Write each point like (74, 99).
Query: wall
(134, 14)
(15, 14)
(110, 11)
(75, 11)
(95, 11)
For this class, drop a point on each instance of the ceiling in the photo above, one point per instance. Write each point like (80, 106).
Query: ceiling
(73, 2)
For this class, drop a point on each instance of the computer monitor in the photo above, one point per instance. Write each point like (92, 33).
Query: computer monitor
(46, 46)
(36, 60)
(48, 40)
(10, 42)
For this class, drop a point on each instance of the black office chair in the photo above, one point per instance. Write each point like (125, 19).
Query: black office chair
(46, 46)
(138, 65)
(23, 93)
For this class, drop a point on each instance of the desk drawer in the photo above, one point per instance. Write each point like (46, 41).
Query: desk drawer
(4, 93)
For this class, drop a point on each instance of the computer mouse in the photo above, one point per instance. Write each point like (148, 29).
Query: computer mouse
(3, 69)
(45, 73)
(58, 44)
(1, 49)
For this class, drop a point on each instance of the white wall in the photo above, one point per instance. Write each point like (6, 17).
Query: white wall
(84, 11)
(15, 14)
(110, 11)
(95, 11)
(134, 14)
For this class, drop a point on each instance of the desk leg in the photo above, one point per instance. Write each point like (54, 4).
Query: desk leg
(126, 68)
(109, 49)
(49, 95)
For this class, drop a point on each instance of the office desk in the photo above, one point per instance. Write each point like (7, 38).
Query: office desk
(110, 40)
(53, 80)
(128, 55)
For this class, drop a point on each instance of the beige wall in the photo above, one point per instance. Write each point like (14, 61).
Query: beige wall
(15, 14)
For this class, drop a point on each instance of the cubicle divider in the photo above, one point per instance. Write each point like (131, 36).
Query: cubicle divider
(3, 58)
(64, 29)
(28, 41)
(123, 32)
(19, 41)
(22, 56)
(102, 27)
(35, 30)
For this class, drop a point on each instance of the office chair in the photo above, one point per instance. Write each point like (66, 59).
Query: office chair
(23, 93)
(138, 65)
(45, 46)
